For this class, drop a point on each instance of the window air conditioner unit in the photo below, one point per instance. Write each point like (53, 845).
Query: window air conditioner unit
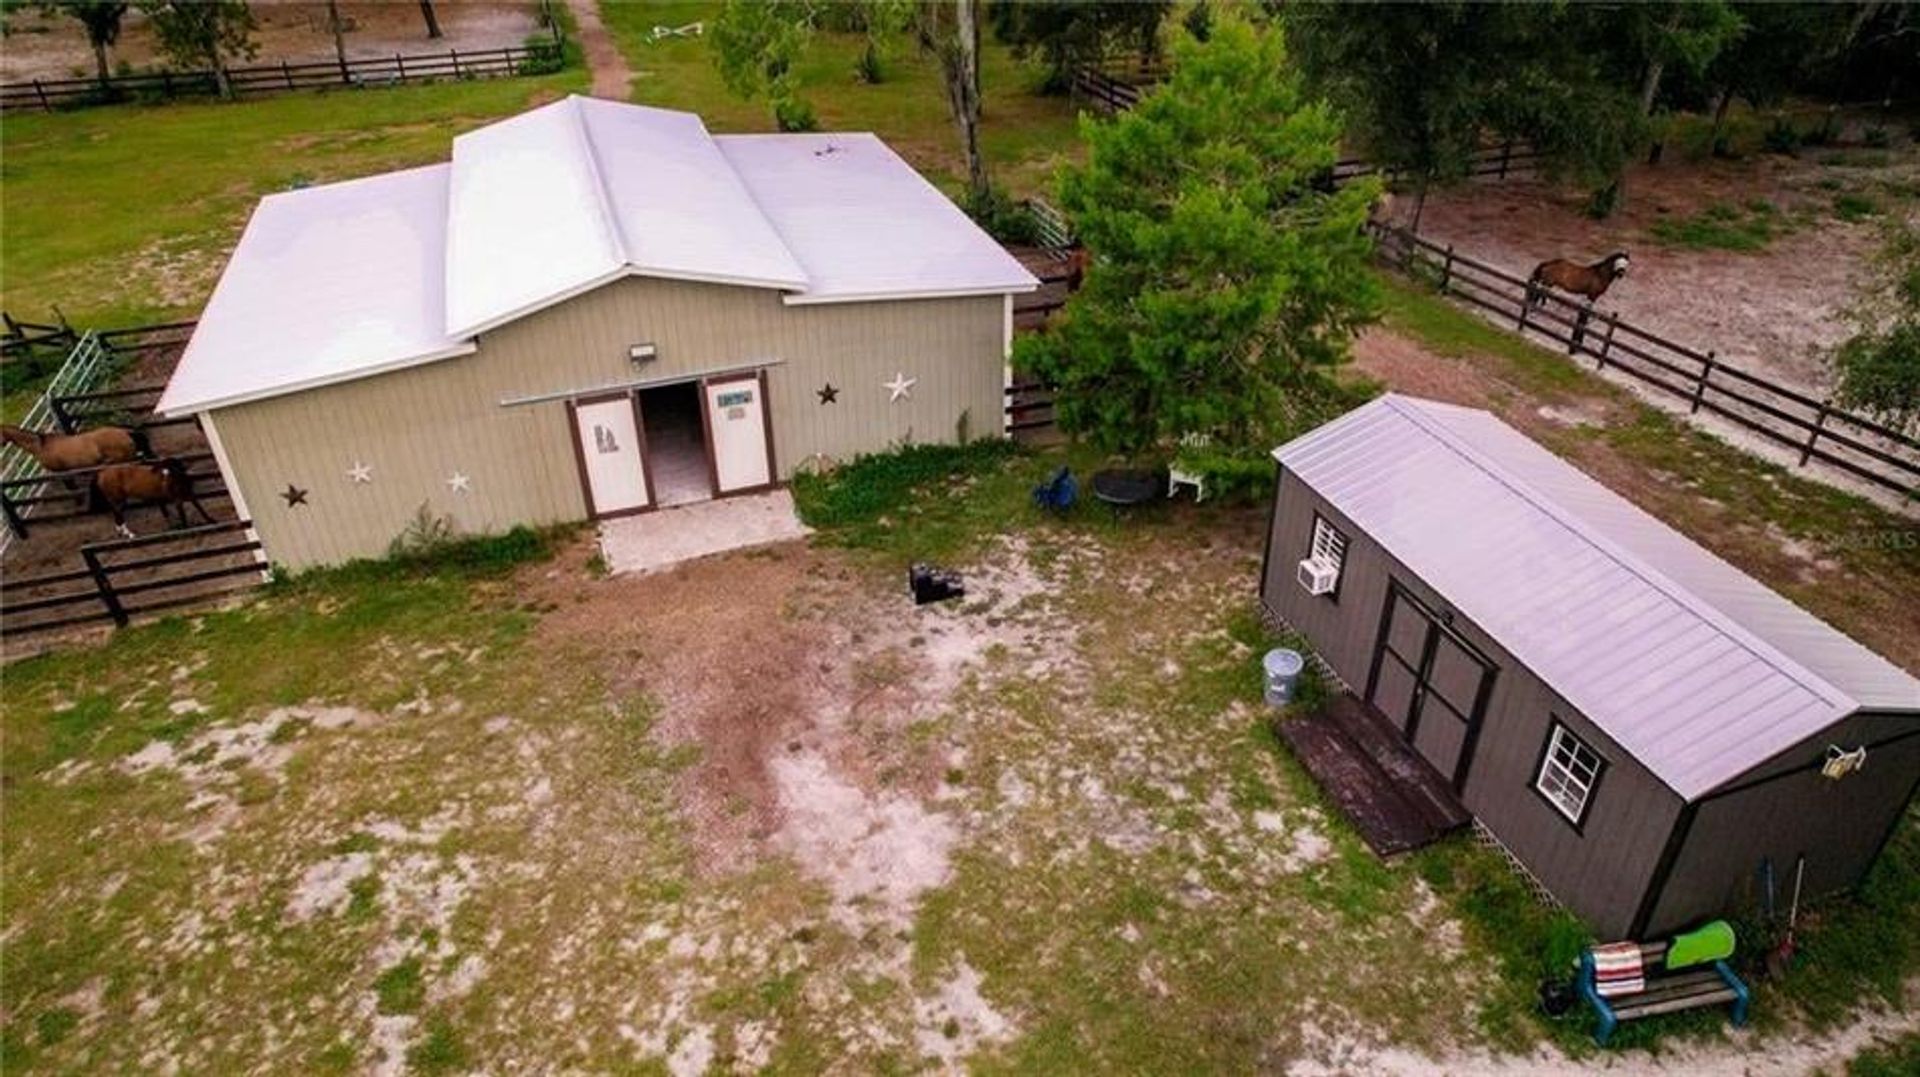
(1317, 575)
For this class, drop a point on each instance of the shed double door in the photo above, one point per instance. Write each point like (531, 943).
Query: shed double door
(1429, 682)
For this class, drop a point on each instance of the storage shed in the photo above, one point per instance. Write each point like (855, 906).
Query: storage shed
(1639, 723)
(593, 309)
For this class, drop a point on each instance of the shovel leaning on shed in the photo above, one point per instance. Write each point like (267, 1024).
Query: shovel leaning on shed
(1781, 957)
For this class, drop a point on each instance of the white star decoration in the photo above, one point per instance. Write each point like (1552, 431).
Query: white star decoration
(900, 388)
(360, 472)
(459, 483)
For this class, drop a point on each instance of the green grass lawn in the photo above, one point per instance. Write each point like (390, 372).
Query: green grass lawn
(1026, 136)
(125, 214)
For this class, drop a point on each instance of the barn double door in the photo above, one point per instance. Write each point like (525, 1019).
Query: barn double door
(1429, 682)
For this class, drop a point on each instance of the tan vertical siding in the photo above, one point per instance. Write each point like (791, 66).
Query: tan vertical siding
(416, 427)
(1600, 871)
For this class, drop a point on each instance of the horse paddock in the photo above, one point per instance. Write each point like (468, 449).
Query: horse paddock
(47, 562)
(1771, 310)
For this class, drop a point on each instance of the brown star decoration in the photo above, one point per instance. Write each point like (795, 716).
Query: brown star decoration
(829, 394)
(294, 495)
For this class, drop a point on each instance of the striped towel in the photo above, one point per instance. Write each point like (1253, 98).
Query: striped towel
(1617, 969)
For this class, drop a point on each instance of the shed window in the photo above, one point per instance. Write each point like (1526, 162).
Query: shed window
(1329, 546)
(1568, 772)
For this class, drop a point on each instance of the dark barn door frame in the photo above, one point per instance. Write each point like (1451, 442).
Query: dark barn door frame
(1439, 625)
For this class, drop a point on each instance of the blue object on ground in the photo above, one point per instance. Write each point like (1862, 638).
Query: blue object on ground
(1058, 493)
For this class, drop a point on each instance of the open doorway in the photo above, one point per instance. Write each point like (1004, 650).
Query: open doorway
(676, 444)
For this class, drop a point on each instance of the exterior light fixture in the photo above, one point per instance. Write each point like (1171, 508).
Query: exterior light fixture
(641, 353)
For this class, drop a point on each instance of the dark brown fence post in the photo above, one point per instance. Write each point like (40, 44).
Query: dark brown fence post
(1446, 270)
(1606, 343)
(1813, 435)
(1506, 154)
(15, 523)
(42, 91)
(166, 82)
(105, 585)
(400, 64)
(1700, 387)
(1579, 331)
(286, 73)
(454, 55)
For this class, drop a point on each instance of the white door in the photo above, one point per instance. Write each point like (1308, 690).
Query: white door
(737, 422)
(610, 455)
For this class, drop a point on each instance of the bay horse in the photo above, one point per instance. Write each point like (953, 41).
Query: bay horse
(1591, 281)
(69, 452)
(163, 482)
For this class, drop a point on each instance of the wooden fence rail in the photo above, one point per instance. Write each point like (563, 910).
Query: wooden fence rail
(67, 494)
(1812, 428)
(127, 578)
(51, 94)
(1029, 406)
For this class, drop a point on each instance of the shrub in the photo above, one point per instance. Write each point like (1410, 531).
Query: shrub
(1003, 218)
(868, 68)
(794, 115)
(1781, 138)
(544, 56)
(1878, 137)
(1854, 207)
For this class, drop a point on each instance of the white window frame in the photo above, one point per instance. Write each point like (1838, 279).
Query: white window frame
(1331, 546)
(1560, 780)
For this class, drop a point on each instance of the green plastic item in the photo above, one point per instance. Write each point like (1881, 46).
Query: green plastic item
(1711, 942)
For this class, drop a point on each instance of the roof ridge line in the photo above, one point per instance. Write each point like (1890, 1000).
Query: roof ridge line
(746, 188)
(1625, 558)
(604, 197)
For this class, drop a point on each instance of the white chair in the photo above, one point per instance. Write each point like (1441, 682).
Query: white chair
(1176, 477)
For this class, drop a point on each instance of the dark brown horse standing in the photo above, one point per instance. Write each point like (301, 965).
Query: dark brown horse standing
(163, 482)
(1591, 281)
(68, 452)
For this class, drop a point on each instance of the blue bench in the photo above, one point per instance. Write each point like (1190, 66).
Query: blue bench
(1664, 991)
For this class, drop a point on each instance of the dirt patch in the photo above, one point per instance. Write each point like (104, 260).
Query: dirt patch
(55, 46)
(1783, 1055)
(1771, 312)
(611, 75)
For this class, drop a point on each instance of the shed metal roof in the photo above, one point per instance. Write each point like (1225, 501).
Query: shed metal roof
(557, 201)
(1697, 669)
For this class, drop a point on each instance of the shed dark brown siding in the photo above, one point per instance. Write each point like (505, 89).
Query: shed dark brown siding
(1785, 809)
(1601, 870)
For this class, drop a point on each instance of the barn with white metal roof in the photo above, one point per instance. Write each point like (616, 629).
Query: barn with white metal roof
(1642, 725)
(592, 309)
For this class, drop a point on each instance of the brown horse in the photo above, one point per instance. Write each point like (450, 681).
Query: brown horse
(1572, 277)
(68, 452)
(164, 482)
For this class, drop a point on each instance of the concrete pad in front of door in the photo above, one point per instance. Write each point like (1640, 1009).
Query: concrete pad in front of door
(652, 541)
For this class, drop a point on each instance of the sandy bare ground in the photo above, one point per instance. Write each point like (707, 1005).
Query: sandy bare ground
(55, 47)
(1770, 312)
(756, 811)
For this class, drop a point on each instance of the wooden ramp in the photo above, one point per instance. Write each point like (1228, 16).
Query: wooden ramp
(1394, 798)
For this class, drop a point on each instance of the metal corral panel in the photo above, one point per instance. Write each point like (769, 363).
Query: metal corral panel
(1551, 565)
